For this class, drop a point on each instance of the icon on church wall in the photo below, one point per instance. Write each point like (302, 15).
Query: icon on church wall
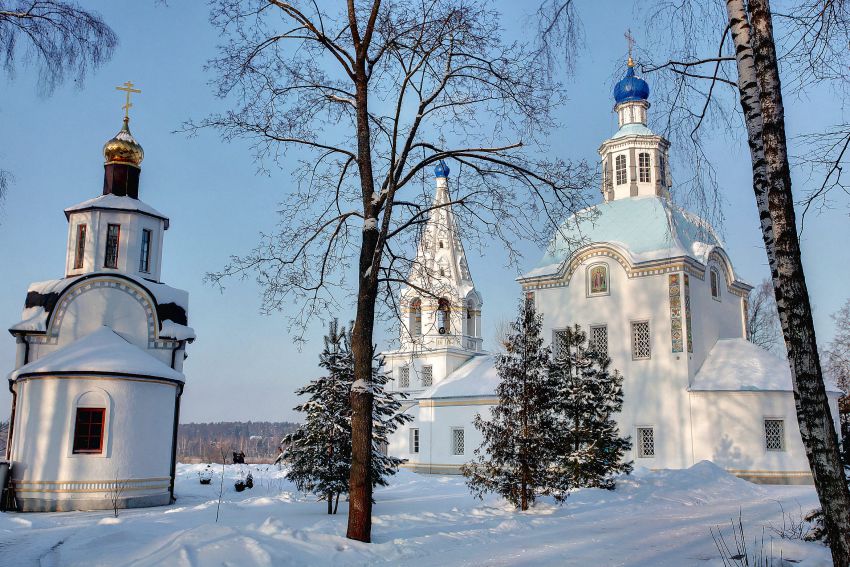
(598, 280)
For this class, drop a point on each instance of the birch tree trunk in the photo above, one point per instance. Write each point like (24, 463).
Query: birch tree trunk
(761, 101)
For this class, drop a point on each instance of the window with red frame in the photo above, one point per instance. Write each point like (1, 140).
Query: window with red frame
(88, 430)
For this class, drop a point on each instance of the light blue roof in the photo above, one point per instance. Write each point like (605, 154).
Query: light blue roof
(634, 129)
(645, 228)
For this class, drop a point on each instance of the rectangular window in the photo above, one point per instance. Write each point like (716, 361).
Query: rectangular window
(404, 377)
(457, 441)
(599, 339)
(88, 430)
(427, 376)
(620, 163)
(80, 250)
(145, 256)
(414, 439)
(645, 442)
(560, 342)
(113, 236)
(640, 340)
(774, 434)
(643, 167)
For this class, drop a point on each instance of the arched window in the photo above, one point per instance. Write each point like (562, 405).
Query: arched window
(89, 427)
(416, 317)
(715, 283)
(444, 312)
(643, 167)
(597, 280)
(620, 163)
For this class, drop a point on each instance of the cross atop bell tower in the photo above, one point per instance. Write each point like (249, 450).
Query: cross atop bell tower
(127, 88)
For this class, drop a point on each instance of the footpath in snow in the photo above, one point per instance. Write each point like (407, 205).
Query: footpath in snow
(653, 519)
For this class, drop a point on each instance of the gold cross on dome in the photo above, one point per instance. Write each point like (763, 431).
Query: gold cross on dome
(127, 88)
(631, 41)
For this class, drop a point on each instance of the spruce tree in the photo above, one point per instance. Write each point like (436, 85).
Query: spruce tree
(514, 459)
(585, 443)
(319, 452)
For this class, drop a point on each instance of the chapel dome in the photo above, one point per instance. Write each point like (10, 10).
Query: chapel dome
(631, 88)
(645, 228)
(123, 148)
(441, 170)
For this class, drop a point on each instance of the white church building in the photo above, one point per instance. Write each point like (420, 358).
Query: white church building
(652, 285)
(98, 376)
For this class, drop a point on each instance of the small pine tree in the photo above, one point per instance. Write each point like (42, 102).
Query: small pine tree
(319, 452)
(514, 459)
(586, 445)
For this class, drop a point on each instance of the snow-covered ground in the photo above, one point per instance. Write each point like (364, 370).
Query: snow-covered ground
(653, 518)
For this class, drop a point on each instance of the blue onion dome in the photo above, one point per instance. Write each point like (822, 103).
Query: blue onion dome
(630, 88)
(442, 170)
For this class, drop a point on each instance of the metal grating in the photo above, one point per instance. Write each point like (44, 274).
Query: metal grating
(599, 339)
(457, 441)
(427, 376)
(774, 434)
(404, 377)
(640, 340)
(646, 442)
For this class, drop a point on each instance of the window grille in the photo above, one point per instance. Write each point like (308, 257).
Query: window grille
(404, 377)
(113, 232)
(643, 167)
(621, 169)
(646, 442)
(599, 339)
(427, 376)
(414, 440)
(457, 441)
(80, 253)
(640, 340)
(560, 342)
(774, 434)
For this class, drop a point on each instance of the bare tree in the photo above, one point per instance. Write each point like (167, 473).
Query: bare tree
(361, 101)
(763, 327)
(116, 492)
(59, 38)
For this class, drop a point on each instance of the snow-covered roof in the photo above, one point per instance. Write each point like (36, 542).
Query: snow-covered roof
(103, 351)
(645, 228)
(42, 297)
(117, 202)
(476, 377)
(739, 365)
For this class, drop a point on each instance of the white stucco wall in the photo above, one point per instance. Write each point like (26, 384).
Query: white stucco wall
(137, 435)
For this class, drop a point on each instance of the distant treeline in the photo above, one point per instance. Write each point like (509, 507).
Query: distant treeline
(206, 442)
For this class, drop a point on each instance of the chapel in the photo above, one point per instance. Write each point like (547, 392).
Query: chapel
(652, 285)
(99, 368)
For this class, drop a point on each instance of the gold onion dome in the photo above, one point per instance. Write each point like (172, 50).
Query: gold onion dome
(123, 148)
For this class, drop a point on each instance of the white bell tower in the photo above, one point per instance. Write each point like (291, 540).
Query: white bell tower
(440, 307)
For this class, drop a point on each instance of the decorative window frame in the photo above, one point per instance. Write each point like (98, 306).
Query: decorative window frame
(783, 444)
(452, 443)
(639, 454)
(587, 282)
(97, 398)
(632, 323)
(590, 330)
(404, 377)
(554, 344)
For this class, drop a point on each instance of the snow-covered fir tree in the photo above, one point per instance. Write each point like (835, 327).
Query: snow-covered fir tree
(586, 445)
(319, 452)
(514, 459)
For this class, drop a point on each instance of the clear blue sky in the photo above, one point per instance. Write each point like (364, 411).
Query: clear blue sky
(243, 365)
